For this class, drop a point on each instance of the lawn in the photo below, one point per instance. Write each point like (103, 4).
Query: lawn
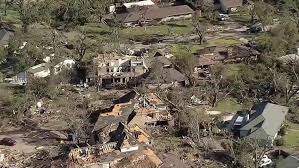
(179, 49)
(95, 28)
(175, 28)
(11, 17)
(228, 105)
(232, 71)
(244, 19)
(292, 136)
(292, 139)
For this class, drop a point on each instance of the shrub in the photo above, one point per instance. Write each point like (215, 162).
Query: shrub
(280, 142)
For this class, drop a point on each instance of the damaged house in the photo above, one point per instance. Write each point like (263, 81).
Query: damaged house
(123, 132)
(40, 71)
(151, 15)
(213, 55)
(262, 123)
(142, 112)
(151, 111)
(162, 73)
(109, 70)
(5, 35)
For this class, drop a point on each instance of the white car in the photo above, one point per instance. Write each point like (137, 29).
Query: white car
(223, 17)
(265, 161)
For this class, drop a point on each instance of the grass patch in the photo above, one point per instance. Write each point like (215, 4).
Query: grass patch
(244, 19)
(191, 48)
(232, 70)
(228, 105)
(11, 17)
(224, 42)
(292, 138)
(94, 28)
(175, 28)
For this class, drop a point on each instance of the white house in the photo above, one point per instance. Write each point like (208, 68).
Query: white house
(40, 71)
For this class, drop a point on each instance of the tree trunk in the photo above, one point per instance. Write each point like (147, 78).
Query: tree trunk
(5, 8)
(200, 39)
(25, 27)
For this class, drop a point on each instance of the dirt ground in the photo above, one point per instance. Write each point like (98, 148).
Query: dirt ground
(31, 140)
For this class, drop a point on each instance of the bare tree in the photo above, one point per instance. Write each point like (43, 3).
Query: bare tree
(245, 153)
(200, 28)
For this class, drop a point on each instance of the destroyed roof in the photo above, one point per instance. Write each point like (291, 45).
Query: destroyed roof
(205, 60)
(105, 119)
(152, 157)
(154, 99)
(232, 3)
(243, 51)
(206, 50)
(163, 60)
(153, 13)
(266, 121)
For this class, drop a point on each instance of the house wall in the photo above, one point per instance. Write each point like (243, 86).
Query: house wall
(42, 74)
(119, 72)
(176, 17)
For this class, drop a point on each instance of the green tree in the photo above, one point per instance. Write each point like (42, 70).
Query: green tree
(28, 12)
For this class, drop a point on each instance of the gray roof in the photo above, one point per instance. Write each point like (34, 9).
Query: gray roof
(291, 161)
(152, 13)
(266, 121)
(162, 71)
(5, 35)
(165, 75)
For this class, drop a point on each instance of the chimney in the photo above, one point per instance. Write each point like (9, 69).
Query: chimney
(247, 117)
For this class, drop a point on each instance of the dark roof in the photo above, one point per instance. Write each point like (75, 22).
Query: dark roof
(243, 51)
(165, 75)
(291, 161)
(206, 50)
(5, 35)
(232, 3)
(162, 71)
(266, 121)
(163, 60)
(152, 13)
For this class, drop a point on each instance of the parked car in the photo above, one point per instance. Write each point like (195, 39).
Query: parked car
(8, 142)
(223, 17)
(252, 44)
